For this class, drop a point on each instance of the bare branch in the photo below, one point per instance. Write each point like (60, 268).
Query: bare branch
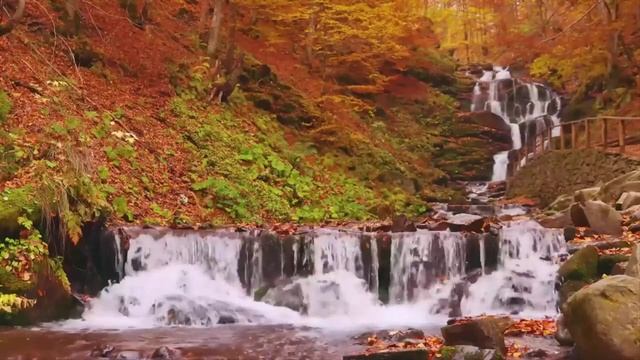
(572, 24)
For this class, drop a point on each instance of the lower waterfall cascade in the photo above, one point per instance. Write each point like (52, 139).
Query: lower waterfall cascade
(192, 278)
(528, 108)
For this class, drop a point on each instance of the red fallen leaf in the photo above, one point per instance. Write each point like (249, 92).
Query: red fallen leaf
(538, 327)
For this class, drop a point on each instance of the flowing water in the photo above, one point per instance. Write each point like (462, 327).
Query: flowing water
(528, 108)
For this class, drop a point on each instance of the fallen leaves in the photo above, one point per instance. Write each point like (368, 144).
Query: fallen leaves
(433, 344)
(516, 351)
(539, 327)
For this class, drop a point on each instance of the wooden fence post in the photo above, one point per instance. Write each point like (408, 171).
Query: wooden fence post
(561, 137)
(604, 134)
(621, 134)
(574, 136)
(587, 132)
(550, 137)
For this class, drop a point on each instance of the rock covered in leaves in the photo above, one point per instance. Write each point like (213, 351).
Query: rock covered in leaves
(484, 332)
(604, 319)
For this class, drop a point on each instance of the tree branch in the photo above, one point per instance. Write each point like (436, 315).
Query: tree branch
(572, 24)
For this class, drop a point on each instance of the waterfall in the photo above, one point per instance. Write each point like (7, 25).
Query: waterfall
(205, 278)
(420, 260)
(524, 280)
(521, 105)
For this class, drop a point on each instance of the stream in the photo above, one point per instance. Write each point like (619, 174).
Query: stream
(198, 291)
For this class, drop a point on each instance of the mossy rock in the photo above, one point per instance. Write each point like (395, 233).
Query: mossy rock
(569, 288)
(607, 262)
(582, 266)
(604, 320)
(49, 287)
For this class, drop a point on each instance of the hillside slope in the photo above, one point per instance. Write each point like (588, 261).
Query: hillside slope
(117, 120)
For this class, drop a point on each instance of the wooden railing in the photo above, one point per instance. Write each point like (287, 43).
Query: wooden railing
(610, 131)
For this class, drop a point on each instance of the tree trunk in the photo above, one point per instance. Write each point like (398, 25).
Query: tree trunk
(73, 17)
(205, 8)
(610, 13)
(311, 32)
(214, 30)
(14, 19)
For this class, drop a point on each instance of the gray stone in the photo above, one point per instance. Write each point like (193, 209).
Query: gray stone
(128, 355)
(465, 352)
(610, 191)
(633, 212)
(633, 266)
(289, 295)
(583, 195)
(600, 217)
(466, 222)
(562, 202)
(164, 353)
(558, 220)
(604, 320)
(629, 199)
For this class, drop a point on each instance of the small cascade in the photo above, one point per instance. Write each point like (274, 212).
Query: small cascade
(528, 108)
(423, 259)
(337, 251)
(525, 277)
(205, 278)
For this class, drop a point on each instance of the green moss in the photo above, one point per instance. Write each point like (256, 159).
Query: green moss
(607, 262)
(581, 266)
(447, 352)
(5, 106)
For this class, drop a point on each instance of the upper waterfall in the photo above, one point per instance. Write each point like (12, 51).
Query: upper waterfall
(529, 108)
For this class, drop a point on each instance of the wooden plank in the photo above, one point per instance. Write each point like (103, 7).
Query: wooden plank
(587, 132)
(604, 134)
(621, 135)
(574, 136)
(561, 137)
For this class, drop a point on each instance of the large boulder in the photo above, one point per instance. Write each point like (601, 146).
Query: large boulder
(559, 220)
(597, 215)
(633, 266)
(562, 334)
(484, 332)
(612, 190)
(581, 266)
(604, 319)
(628, 200)
(586, 194)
